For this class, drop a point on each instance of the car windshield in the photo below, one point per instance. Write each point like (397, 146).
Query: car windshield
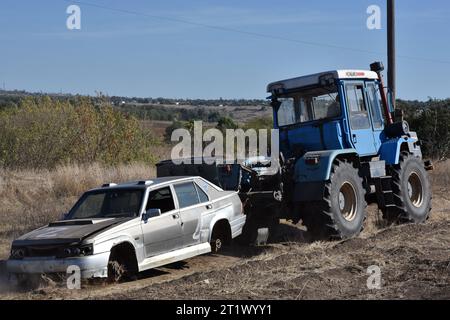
(309, 105)
(108, 204)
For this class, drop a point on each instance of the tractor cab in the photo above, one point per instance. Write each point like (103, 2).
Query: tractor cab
(342, 144)
(333, 110)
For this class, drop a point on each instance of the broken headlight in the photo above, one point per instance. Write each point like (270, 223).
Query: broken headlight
(17, 253)
(79, 251)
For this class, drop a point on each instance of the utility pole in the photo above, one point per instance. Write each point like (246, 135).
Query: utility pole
(391, 49)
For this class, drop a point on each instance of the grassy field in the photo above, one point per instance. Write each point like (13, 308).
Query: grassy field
(415, 258)
(32, 198)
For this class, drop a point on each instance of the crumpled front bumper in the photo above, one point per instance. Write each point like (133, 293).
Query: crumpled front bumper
(95, 266)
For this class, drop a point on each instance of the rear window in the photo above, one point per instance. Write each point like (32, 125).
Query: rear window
(202, 194)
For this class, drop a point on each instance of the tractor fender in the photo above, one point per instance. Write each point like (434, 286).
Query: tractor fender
(306, 173)
(390, 150)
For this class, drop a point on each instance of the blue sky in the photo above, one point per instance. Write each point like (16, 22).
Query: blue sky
(137, 55)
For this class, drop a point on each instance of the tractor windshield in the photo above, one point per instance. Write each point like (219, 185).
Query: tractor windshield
(308, 105)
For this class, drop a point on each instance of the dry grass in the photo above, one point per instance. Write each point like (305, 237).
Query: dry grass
(32, 198)
(414, 258)
(440, 177)
(73, 180)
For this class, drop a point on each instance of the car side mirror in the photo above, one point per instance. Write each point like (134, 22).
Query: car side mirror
(151, 213)
(64, 215)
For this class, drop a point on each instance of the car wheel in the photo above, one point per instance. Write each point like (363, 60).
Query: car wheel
(121, 266)
(220, 237)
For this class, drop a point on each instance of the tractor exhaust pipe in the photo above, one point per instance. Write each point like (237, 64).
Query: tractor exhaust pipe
(378, 67)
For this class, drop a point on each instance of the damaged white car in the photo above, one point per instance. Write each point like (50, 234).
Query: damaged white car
(117, 231)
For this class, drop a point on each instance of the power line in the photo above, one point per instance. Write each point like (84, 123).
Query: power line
(249, 33)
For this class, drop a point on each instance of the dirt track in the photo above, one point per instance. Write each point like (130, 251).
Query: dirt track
(414, 262)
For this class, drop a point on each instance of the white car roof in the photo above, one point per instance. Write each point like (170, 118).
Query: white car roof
(154, 183)
(313, 79)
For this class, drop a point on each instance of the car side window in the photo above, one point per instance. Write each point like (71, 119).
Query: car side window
(359, 116)
(202, 194)
(161, 199)
(186, 194)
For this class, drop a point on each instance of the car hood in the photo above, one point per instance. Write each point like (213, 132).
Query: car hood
(68, 231)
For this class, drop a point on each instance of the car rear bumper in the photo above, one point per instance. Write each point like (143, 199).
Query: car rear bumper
(95, 266)
(237, 225)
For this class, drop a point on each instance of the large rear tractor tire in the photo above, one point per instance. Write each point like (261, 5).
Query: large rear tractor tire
(412, 192)
(342, 212)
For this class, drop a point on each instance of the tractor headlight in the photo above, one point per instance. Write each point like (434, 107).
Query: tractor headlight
(397, 129)
(312, 160)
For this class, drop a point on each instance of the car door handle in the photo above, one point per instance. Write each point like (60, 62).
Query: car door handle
(209, 206)
(355, 139)
(175, 216)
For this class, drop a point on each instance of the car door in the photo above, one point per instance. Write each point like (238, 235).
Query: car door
(162, 233)
(361, 134)
(191, 211)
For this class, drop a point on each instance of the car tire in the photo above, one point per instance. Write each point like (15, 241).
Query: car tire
(121, 269)
(219, 239)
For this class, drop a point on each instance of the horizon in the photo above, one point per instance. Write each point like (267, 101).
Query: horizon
(207, 50)
(50, 94)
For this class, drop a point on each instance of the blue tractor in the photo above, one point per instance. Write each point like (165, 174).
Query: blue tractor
(342, 144)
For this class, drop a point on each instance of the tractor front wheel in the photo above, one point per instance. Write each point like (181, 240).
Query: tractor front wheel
(412, 192)
(342, 212)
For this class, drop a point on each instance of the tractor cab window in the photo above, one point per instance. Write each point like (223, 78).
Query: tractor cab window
(359, 116)
(287, 112)
(310, 105)
(373, 95)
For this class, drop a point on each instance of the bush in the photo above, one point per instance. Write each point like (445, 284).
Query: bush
(260, 123)
(431, 121)
(44, 132)
(225, 123)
